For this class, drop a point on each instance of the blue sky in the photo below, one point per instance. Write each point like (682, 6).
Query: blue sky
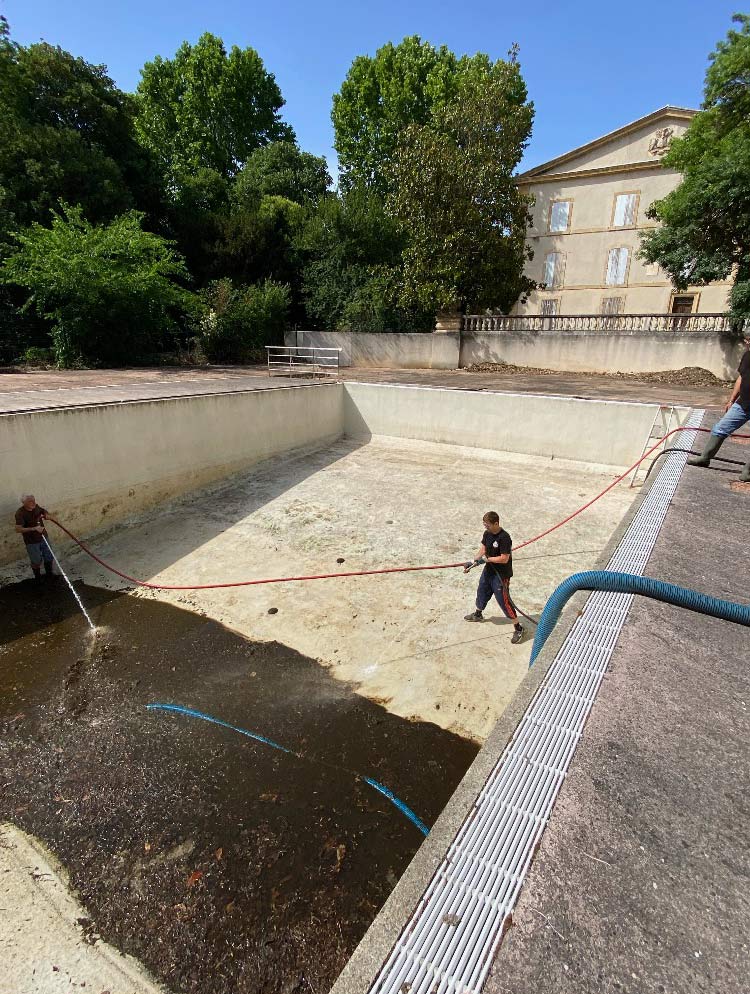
(590, 67)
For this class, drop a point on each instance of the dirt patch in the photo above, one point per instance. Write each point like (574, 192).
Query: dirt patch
(219, 862)
(738, 487)
(688, 376)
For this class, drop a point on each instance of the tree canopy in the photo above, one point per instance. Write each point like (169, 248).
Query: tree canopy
(66, 131)
(705, 221)
(208, 109)
(453, 192)
(281, 169)
(186, 215)
(401, 85)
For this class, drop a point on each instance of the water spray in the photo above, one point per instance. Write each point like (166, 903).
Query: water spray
(73, 590)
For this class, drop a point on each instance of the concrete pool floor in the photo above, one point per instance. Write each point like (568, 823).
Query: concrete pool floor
(400, 639)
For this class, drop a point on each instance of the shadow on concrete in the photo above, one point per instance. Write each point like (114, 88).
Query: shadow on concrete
(232, 500)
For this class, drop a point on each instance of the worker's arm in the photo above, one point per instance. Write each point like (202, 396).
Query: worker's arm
(499, 560)
(735, 393)
(479, 558)
(35, 528)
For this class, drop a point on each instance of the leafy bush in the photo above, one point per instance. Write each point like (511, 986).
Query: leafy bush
(373, 307)
(107, 290)
(240, 320)
(37, 356)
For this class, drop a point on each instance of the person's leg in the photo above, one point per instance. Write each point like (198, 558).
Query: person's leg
(502, 594)
(34, 552)
(734, 419)
(484, 593)
(48, 559)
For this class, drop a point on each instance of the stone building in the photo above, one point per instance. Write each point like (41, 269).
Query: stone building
(590, 209)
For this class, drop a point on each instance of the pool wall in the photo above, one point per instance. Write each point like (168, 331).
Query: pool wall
(96, 466)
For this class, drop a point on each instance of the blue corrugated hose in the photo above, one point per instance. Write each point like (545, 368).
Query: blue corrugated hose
(627, 583)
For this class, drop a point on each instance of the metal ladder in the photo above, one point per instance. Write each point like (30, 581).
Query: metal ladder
(660, 428)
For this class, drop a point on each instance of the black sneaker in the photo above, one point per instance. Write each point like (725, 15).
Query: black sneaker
(474, 616)
(517, 635)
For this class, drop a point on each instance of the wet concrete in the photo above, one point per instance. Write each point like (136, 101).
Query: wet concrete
(220, 863)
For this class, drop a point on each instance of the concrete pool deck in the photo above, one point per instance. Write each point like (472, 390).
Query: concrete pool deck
(46, 389)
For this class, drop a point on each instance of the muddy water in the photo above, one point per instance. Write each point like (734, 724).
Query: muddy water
(227, 867)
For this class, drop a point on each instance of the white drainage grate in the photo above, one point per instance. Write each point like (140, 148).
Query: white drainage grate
(449, 943)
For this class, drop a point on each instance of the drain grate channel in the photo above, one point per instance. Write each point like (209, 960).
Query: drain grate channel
(448, 944)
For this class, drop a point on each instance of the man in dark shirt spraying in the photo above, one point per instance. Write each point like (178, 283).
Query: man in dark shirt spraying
(30, 523)
(736, 414)
(496, 555)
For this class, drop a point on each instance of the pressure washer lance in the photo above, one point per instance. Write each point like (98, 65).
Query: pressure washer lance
(468, 567)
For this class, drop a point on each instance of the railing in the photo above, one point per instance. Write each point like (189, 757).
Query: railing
(603, 322)
(299, 360)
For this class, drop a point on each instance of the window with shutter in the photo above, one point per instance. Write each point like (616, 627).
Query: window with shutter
(553, 270)
(617, 266)
(613, 305)
(625, 210)
(559, 215)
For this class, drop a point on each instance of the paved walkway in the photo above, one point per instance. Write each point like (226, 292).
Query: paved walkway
(46, 389)
(642, 880)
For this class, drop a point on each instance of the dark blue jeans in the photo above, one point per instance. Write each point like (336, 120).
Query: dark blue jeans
(490, 583)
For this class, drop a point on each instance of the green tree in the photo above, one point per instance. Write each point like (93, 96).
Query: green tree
(352, 251)
(206, 109)
(195, 216)
(66, 132)
(259, 240)
(108, 291)
(239, 321)
(404, 84)
(705, 221)
(453, 192)
(282, 170)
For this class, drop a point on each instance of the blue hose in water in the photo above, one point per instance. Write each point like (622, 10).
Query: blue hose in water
(381, 788)
(627, 583)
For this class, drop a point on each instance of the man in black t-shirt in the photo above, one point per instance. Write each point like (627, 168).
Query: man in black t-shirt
(736, 414)
(496, 554)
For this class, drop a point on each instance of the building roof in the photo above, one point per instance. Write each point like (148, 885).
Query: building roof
(682, 113)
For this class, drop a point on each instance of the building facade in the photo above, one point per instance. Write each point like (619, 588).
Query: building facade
(590, 209)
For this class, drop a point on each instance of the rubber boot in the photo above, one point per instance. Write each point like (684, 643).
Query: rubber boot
(37, 575)
(49, 570)
(712, 446)
(745, 474)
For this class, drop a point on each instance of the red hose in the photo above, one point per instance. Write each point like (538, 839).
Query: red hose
(367, 572)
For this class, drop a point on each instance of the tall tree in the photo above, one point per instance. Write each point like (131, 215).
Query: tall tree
(453, 192)
(352, 251)
(404, 84)
(66, 132)
(705, 221)
(208, 109)
(282, 170)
